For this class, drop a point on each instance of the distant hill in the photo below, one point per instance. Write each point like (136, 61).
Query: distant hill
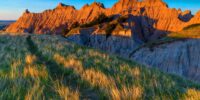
(50, 67)
(5, 23)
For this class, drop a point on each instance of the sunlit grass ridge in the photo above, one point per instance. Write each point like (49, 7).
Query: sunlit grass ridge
(49, 67)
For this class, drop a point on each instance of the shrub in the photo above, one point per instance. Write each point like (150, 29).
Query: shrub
(100, 19)
(122, 19)
(64, 31)
(109, 29)
(75, 25)
(191, 26)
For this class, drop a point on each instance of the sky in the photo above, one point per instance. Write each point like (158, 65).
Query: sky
(13, 9)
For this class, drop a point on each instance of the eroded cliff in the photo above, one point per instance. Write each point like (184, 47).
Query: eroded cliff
(150, 18)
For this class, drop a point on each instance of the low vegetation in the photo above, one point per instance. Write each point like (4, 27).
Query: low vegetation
(191, 26)
(192, 31)
(100, 19)
(122, 19)
(49, 67)
(109, 29)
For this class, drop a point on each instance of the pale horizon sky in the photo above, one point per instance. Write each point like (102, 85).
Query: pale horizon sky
(13, 9)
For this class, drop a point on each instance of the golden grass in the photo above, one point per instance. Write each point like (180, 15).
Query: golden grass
(97, 73)
(97, 78)
(108, 85)
(30, 59)
(115, 94)
(34, 72)
(59, 59)
(69, 63)
(94, 53)
(187, 34)
(16, 63)
(193, 94)
(135, 71)
(131, 93)
(14, 69)
(192, 32)
(35, 92)
(32, 69)
(64, 92)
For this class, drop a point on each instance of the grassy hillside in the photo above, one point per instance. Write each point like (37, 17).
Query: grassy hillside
(44, 67)
(192, 31)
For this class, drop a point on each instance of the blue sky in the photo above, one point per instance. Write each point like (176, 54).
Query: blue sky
(12, 9)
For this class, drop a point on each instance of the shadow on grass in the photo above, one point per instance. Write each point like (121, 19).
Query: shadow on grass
(68, 76)
(151, 80)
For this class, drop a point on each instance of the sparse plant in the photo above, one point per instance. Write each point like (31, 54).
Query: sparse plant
(122, 19)
(100, 19)
(109, 29)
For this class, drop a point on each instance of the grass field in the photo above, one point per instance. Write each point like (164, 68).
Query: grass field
(36, 67)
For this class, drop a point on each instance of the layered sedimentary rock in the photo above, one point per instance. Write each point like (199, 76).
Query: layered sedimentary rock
(180, 58)
(120, 42)
(55, 21)
(152, 14)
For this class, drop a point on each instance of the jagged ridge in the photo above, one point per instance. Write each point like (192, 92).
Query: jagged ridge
(149, 18)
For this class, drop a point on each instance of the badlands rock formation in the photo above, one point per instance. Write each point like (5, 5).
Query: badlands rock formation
(55, 21)
(150, 17)
(146, 20)
(181, 58)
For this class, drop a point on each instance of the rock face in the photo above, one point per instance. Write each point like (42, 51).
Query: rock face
(55, 21)
(145, 20)
(182, 60)
(152, 14)
(186, 15)
(121, 42)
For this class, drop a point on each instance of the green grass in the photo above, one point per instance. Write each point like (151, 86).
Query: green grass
(192, 32)
(49, 67)
(191, 26)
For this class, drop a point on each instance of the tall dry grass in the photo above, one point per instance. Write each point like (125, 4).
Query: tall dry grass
(97, 74)
(65, 92)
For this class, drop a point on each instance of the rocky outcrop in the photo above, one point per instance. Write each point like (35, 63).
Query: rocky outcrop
(121, 43)
(180, 58)
(194, 20)
(55, 21)
(154, 15)
(185, 16)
